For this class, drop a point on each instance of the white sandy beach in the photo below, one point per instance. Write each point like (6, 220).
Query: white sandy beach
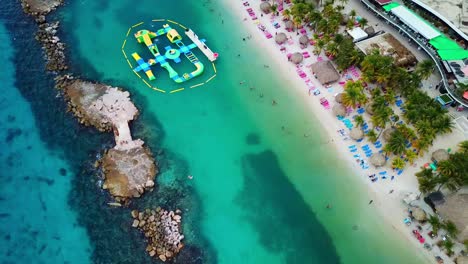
(391, 207)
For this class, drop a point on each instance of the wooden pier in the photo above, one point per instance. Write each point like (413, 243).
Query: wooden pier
(212, 56)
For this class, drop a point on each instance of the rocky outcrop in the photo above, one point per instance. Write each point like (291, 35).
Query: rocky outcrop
(40, 7)
(85, 100)
(53, 47)
(128, 168)
(128, 173)
(47, 33)
(162, 231)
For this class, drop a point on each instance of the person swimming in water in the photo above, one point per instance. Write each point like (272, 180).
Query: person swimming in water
(190, 177)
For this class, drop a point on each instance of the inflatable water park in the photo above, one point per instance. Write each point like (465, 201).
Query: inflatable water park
(166, 57)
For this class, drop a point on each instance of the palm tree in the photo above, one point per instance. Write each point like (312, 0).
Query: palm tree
(372, 135)
(397, 143)
(434, 221)
(464, 146)
(359, 120)
(382, 115)
(426, 181)
(442, 124)
(398, 163)
(363, 22)
(318, 47)
(352, 14)
(354, 94)
(425, 68)
(332, 48)
(448, 245)
(451, 228)
(423, 143)
(410, 156)
(286, 14)
(344, 2)
(274, 9)
(390, 97)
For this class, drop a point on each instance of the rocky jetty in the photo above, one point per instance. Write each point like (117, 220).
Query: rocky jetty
(53, 47)
(47, 33)
(40, 7)
(162, 231)
(128, 173)
(128, 168)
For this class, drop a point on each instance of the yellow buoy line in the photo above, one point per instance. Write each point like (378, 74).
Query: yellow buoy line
(139, 76)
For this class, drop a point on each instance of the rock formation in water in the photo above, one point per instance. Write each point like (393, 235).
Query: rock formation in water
(128, 168)
(47, 33)
(162, 231)
(40, 7)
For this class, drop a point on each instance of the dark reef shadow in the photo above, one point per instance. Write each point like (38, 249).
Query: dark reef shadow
(283, 220)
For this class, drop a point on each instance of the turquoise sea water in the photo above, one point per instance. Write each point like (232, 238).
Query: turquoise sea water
(36, 223)
(259, 189)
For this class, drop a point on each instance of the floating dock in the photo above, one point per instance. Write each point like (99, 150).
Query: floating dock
(212, 56)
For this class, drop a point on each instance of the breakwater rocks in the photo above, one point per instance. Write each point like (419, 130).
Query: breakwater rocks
(162, 231)
(85, 101)
(128, 173)
(40, 7)
(53, 47)
(47, 32)
(128, 168)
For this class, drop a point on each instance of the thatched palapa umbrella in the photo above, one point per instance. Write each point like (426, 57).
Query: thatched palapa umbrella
(369, 30)
(378, 160)
(387, 134)
(339, 109)
(356, 133)
(304, 40)
(289, 24)
(281, 38)
(419, 214)
(265, 7)
(440, 155)
(339, 98)
(297, 58)
(462, 260)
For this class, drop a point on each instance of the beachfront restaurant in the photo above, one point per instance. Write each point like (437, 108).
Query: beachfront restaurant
(357, 34)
